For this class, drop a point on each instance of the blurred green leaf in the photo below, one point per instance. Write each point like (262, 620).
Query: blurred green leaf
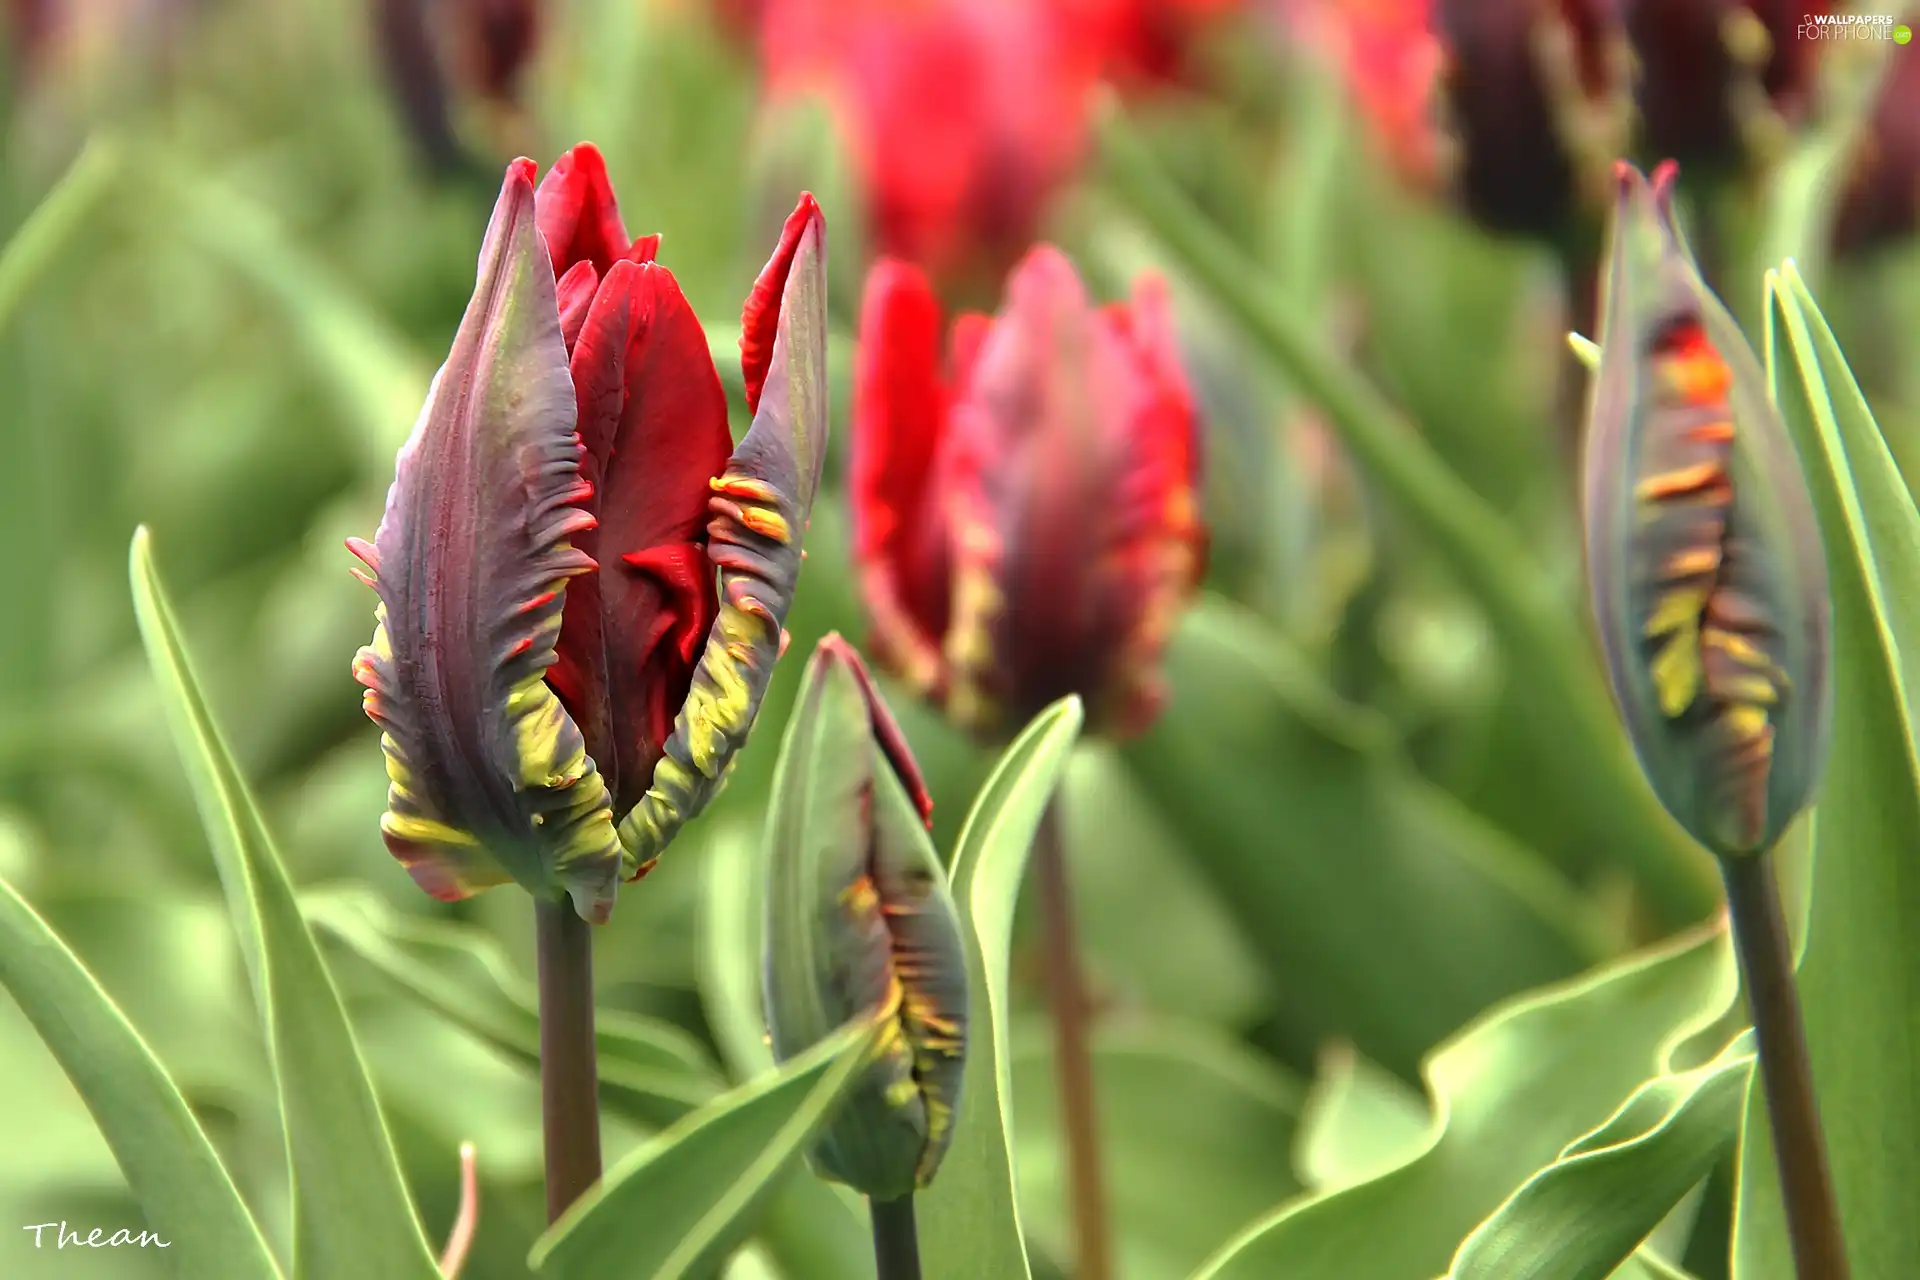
(1587, 1212)
(1859, 972)
(376, 375)
(1388, 912)
(1194, 1130)
(354, 1218)
(1547, 648)
(650, 1070)
(1510, 1093)
(184, 1190)
(681, 1203)
(36, 246)
(969, 1218)
(1358, 1121)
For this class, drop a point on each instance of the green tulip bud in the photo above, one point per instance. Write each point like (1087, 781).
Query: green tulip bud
(1708, 577)
(858, 919)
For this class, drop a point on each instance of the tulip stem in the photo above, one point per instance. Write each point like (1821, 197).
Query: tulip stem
(1786, 1073)
(569, 1075)
(1073, 1059)
(896, 1239)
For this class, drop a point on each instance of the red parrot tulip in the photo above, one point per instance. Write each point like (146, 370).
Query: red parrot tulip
(1027, 522)
(559, 682)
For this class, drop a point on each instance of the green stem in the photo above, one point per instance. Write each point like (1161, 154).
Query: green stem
(896, 1240)
(1786, 1073)
(1549, 650)
(1072, 1053)
(569, 1073)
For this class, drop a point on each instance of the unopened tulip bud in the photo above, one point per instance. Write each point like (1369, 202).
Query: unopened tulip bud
(1708, 577)
(859, 920)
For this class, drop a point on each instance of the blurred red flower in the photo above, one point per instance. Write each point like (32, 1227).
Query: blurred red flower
(1027, 523)
(1881, 200)
(964, 116)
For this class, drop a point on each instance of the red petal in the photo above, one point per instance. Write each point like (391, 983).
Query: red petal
(899, 417)
(653, 420)
(645, 249)
(760, 319)
(1068, 472)
(892, 739)
(575, 295)
(577, 212)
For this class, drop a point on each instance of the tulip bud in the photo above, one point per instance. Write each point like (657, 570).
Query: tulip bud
(1707, 572)
(858, 919)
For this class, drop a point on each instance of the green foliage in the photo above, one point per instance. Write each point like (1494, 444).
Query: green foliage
(1400, 970)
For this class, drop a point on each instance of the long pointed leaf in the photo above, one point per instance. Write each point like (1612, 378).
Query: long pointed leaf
(1585, 1214)
(1859, 973)
(969, 1218)
(353, 1219)
(1510, 1093)
(187, 1196)
(680, 1204)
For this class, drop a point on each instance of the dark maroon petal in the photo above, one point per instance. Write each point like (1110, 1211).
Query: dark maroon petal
(1068, 477)
(757, 522)
(760, 318)
(490, 779)
(653, 420)
(578, 214)
(899, 416)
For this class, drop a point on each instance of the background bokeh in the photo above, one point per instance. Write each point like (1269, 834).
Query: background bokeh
(1356, 826)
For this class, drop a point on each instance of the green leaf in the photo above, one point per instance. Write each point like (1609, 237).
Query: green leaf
(171, 1167)
(969, 1218)
(1194, 1132)
(1587, 1212)
(353, 1218)
(1510, 1092)
(1386, 911)
(681, 1203)
(815, 1230)
(1358, 1122)
(1859, 972)
(37, 244)
(1547, 646)
(649, 1070)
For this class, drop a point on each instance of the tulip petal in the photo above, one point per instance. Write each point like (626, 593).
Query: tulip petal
(758, 516)
(490, 780)
(1073, 442)
(760, 318)
(858, 920)
(578, 215)
(644, 377)
(1709, 581)
(899, 416)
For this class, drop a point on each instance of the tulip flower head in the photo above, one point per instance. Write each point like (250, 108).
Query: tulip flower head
(1707, 572)
(858, 921)
(559, 683)
(1027, 524)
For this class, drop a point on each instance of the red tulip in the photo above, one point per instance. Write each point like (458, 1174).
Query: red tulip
(552, 658)
(962, 116)
(1880, 203)
(1026, 524)
(1707, 65)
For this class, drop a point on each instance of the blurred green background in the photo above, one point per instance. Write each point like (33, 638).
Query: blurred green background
(1351, 830)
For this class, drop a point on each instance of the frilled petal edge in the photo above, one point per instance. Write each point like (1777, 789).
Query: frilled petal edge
(489, 778)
